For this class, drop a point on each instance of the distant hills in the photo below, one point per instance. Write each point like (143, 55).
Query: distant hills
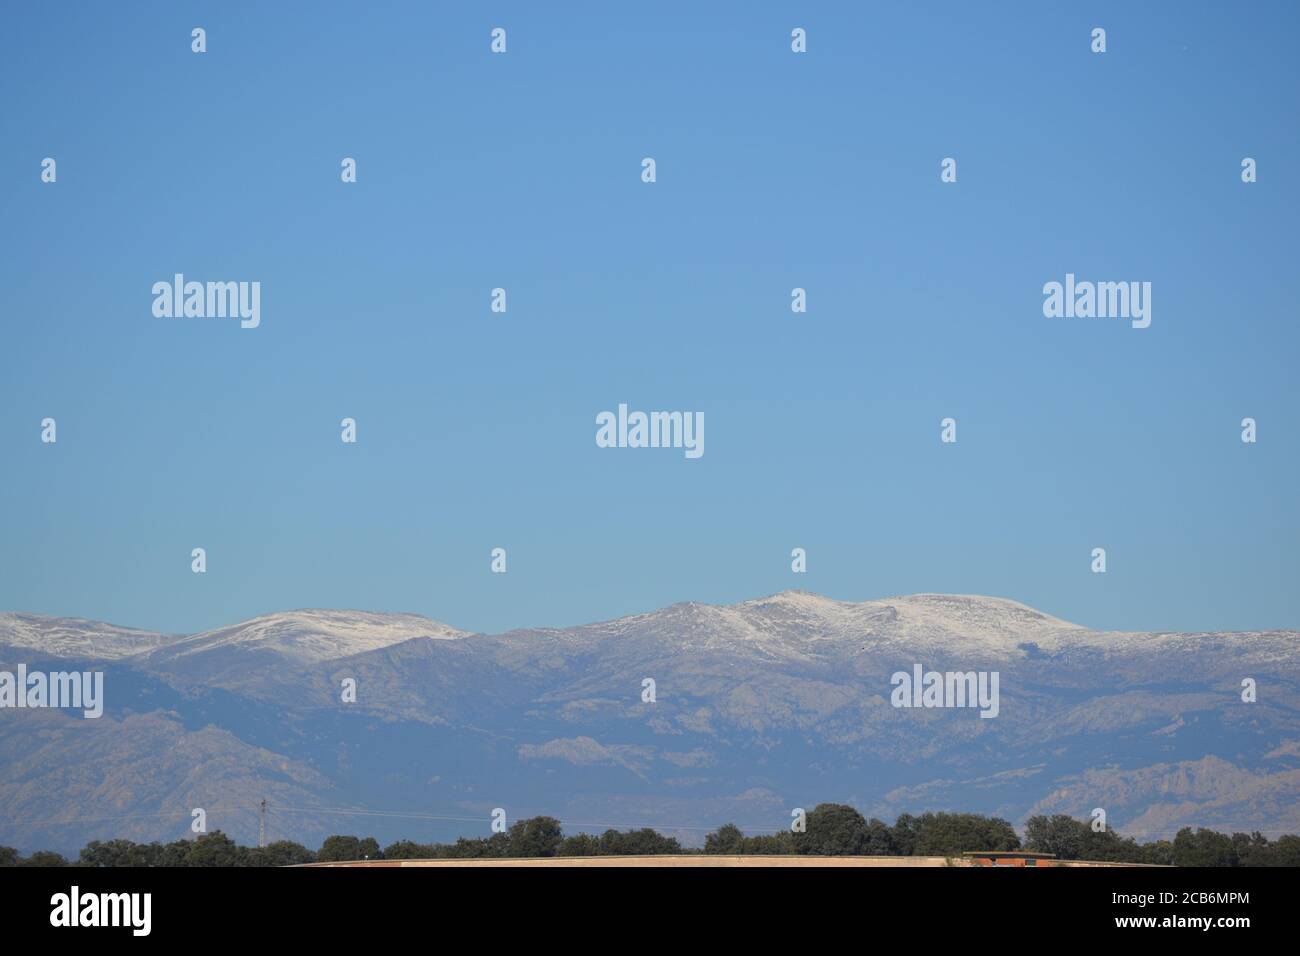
(760, 707)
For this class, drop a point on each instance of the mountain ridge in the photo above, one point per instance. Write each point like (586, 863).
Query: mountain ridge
(769, 702)
(923, 605)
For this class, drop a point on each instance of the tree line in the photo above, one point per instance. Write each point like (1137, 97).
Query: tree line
(831, 829)
(839, 830)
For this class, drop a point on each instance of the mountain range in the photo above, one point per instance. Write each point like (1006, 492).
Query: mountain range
(758, 708)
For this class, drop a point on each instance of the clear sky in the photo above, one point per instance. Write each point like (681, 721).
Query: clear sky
(774, 170)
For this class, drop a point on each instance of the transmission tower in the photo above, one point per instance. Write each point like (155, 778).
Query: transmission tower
(261, 824)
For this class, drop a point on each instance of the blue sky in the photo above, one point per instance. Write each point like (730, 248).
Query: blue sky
(775, 170)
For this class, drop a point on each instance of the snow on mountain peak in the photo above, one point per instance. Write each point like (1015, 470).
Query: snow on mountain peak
(309, 636)
(795, 623)
(74, 637)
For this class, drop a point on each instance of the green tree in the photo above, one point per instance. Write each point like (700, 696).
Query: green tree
(408, 850)
(580, 844)
(176, 853)
(643, 842)
(768, 844)
(44, 858)
(833, 829)
(1058, 834)
(535, 837)
(1203, 848)
(1285, 851)
(467, 849)
(280, 853)
(903, 833)
(951, 834)
(1159, 853)
(119, 853)
(880, 840)
(726, 839)
(345, 849)
(496, 846)
(215, 849)
(1110, 847)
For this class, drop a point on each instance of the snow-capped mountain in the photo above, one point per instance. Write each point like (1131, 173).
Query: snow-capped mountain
(266, 649)
(72, 637)
(757, 707)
